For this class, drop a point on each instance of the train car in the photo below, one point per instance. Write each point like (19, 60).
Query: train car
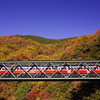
(51, 69)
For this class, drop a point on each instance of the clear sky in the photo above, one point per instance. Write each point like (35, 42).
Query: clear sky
(54, 19)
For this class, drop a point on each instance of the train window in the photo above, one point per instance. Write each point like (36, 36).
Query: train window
(59, 68)
(98, 68)
(42, 68)
(25, 68)
(65, 68)
(3, 68)
(62, 68)
(49, 68)
(18, 68)
(33, 68)
(36, 68)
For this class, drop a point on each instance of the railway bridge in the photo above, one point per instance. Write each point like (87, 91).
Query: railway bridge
(49, 70)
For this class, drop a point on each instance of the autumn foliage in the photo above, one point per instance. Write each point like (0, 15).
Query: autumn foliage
(32, 95)
(27, 48)
(19, 48)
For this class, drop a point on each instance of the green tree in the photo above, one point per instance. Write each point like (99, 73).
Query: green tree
(22, 90)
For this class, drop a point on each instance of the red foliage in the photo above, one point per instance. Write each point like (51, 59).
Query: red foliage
(32, 95)
(79, 55)
(43, 95)
(8, 85)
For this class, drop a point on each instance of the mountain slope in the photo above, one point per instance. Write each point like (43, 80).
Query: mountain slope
(43, 40)
(80, 48)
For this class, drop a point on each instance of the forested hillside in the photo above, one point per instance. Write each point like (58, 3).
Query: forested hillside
(25, 48)
(80, 48)
(43, 40)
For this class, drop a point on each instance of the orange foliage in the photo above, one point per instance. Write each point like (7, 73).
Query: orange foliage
(32, 95)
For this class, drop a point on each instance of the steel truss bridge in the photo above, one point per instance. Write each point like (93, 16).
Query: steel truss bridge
(49, 70)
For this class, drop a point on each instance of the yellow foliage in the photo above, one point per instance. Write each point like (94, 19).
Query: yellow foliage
(38, 98)
(42, 57)
(13, 98)
(91, 36)
(40, 85)
(79, 38)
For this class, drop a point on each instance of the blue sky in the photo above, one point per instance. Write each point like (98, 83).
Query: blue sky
(54, 19)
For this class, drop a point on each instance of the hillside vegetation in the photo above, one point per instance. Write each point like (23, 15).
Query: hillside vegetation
(43, 40)
(14, 48)
(25, 48)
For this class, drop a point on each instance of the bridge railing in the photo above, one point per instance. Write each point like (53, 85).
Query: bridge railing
(49, 70)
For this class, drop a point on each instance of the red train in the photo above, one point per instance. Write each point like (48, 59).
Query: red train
(50, 70)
